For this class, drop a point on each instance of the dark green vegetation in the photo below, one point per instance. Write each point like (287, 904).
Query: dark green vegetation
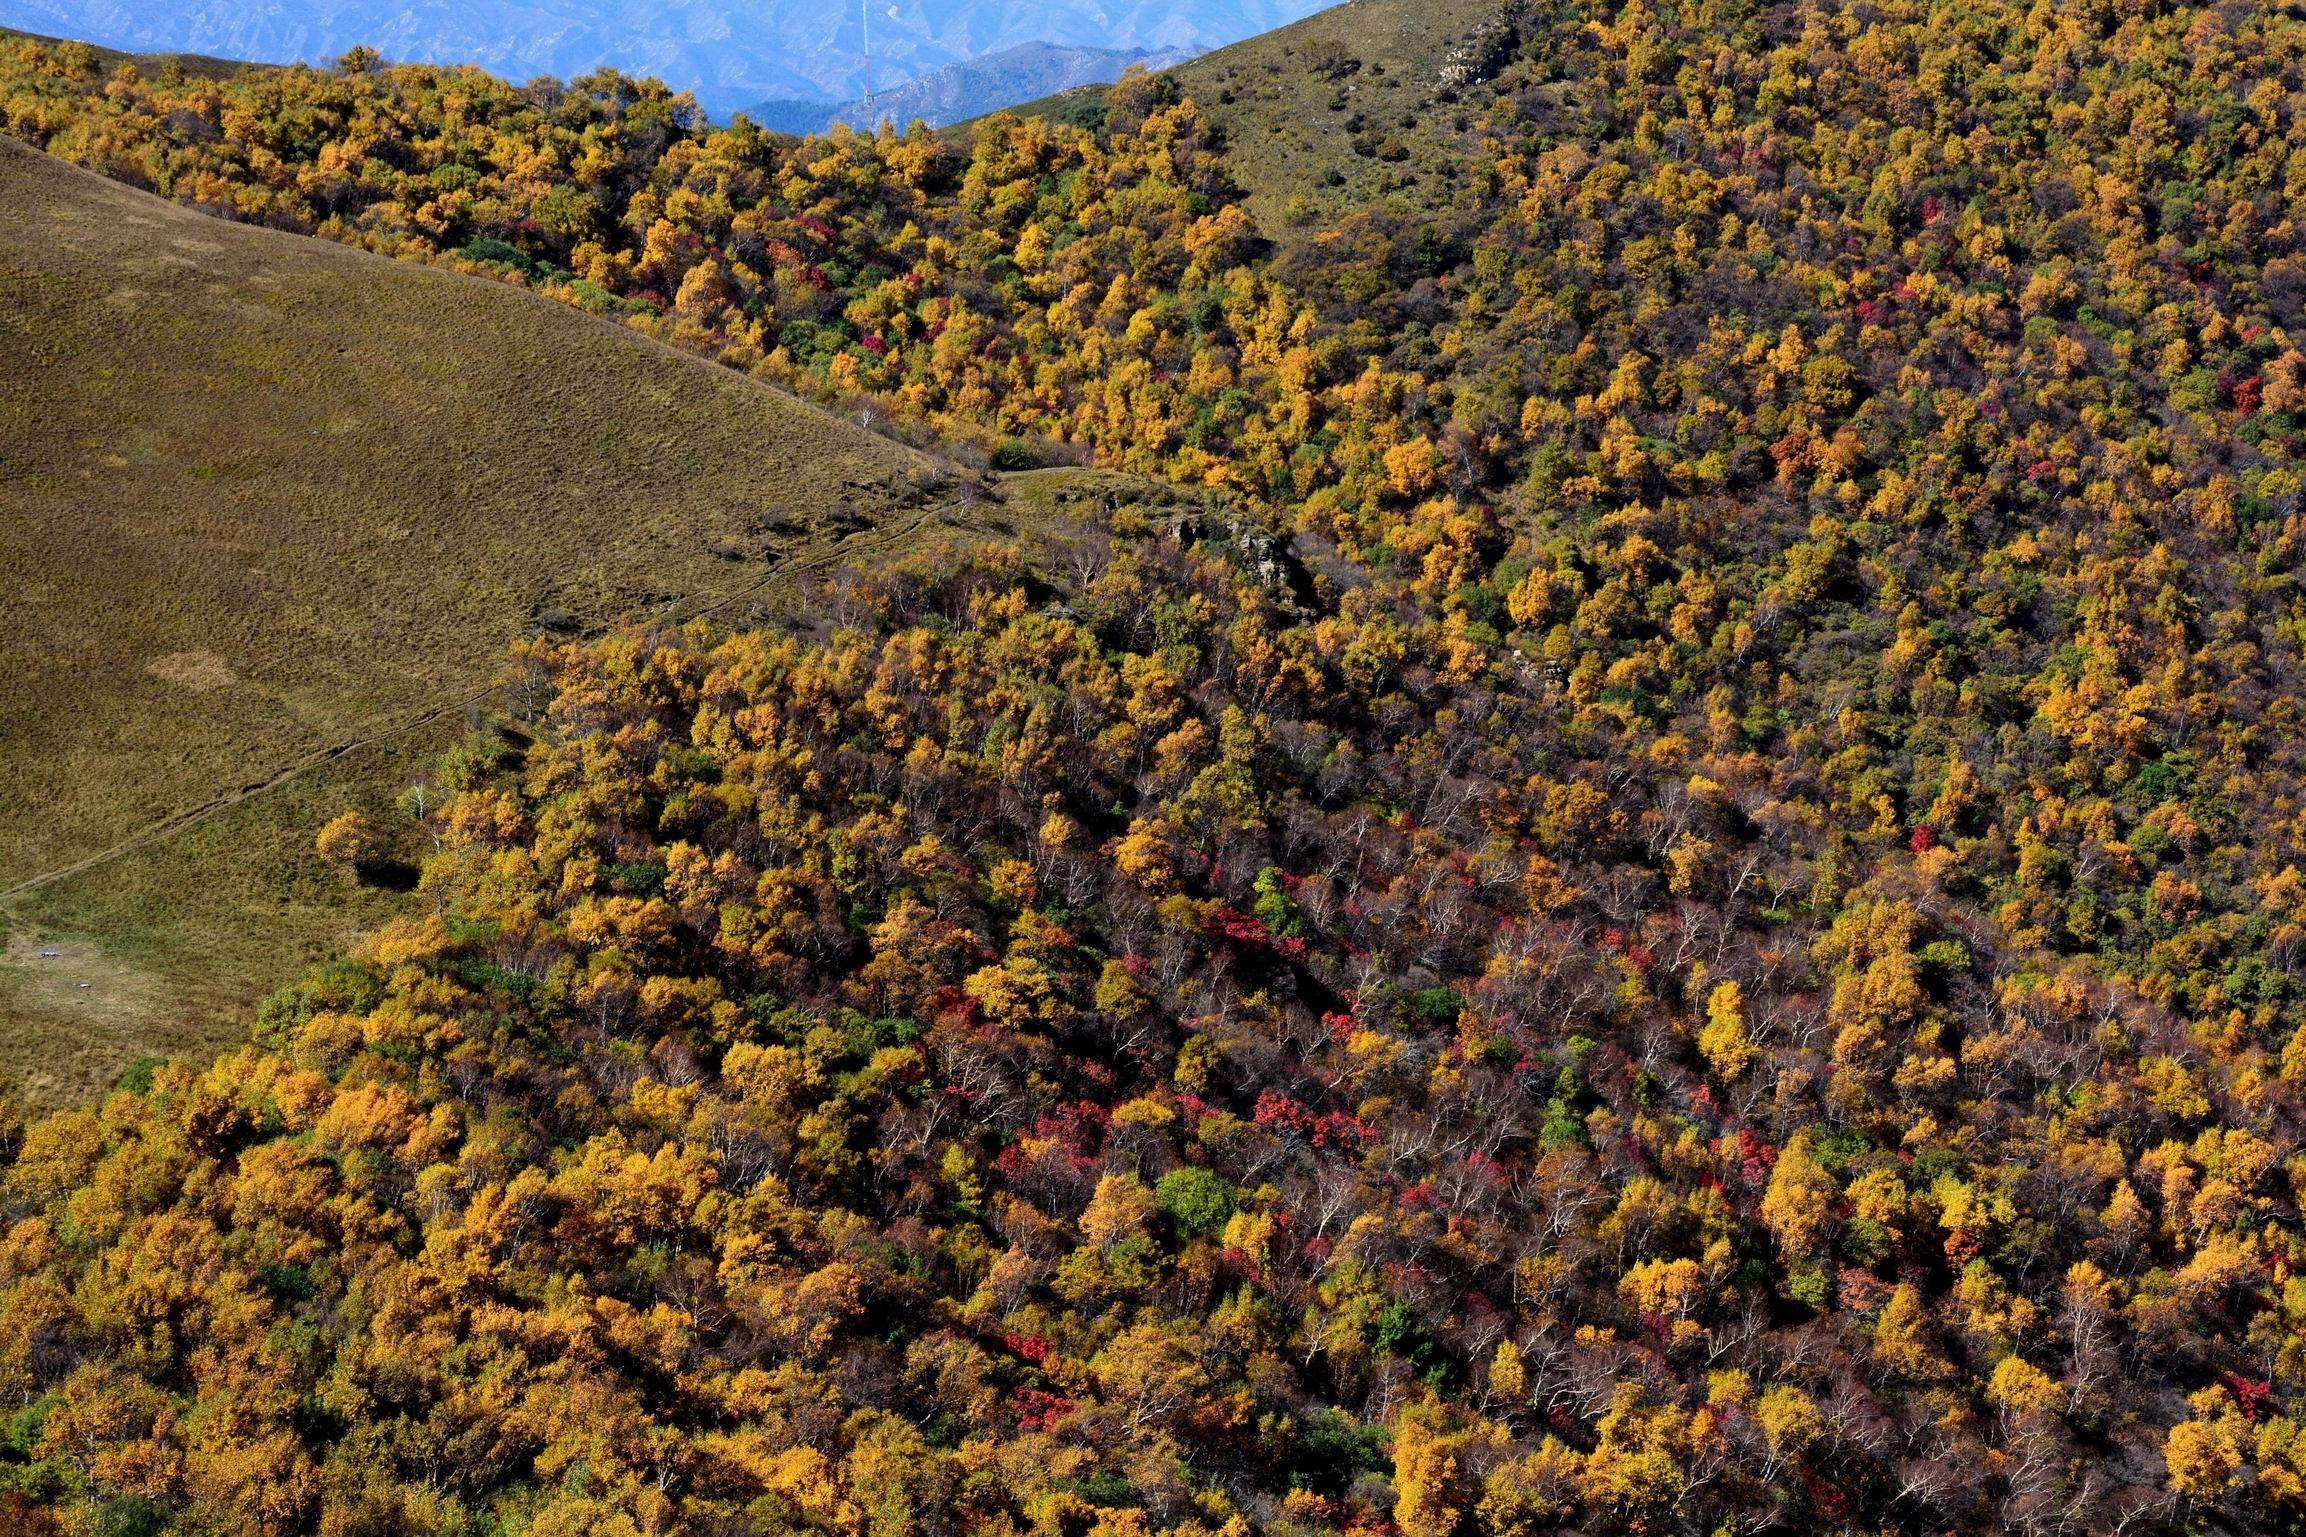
(264, 499)
(1675, 904)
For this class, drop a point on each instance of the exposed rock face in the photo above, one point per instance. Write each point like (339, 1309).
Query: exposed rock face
(1483, 54)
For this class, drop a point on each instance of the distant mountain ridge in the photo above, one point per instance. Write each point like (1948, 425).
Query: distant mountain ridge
(970, 89)
(731, 53)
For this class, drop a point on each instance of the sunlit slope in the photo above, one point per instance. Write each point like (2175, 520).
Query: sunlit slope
(263, 497)
(264, 492)
(1345, 109)
(1348, 107)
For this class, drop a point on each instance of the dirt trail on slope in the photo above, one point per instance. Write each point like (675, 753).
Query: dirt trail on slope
(849, 548)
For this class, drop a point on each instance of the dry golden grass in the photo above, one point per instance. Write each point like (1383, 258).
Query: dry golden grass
(262, 498)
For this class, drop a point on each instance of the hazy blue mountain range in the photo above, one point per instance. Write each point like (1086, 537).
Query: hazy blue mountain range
(732, 53)
(959, 92)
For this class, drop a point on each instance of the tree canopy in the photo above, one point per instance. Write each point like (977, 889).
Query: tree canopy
(1685, 915)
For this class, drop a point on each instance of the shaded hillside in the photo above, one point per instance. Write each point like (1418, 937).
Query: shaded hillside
(266, 496)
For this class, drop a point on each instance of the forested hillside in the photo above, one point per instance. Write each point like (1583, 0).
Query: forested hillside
(1673, 905)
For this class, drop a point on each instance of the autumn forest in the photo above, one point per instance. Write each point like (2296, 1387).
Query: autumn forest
(1664, 891)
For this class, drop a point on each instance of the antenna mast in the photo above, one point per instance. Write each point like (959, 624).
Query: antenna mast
(865, 26)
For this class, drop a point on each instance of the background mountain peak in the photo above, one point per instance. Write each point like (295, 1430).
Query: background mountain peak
(970, 89)
(731, 53)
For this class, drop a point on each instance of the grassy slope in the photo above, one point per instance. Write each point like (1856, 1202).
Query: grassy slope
(1285, 100)
(262, 497)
